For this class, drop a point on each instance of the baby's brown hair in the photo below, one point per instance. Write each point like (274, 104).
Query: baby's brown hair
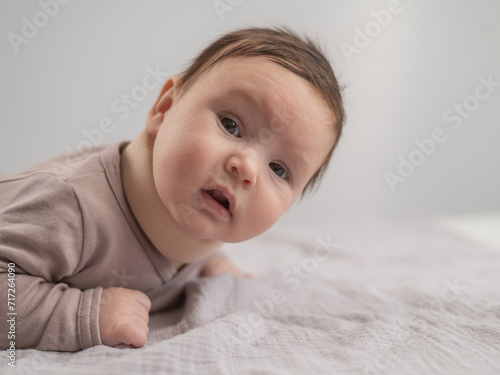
(282, 46)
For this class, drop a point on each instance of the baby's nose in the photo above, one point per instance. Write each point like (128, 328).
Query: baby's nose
(243, 168)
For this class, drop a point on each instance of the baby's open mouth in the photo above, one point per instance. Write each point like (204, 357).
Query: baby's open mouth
(218, 196)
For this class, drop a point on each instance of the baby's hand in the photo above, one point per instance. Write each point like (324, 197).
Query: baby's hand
(124, 317)
(220, 264)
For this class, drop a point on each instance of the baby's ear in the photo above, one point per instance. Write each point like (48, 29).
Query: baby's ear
(169, 93)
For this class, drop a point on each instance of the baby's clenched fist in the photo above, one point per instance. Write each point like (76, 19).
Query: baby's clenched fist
(124, 317)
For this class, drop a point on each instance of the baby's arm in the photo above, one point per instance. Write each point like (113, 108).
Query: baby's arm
(41, 240)
(46, 316)
(49, 316)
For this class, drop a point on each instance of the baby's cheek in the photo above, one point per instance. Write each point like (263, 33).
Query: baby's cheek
(201, 155)
(267, 213)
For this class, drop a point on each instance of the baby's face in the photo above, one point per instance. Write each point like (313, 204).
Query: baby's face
(234, 152)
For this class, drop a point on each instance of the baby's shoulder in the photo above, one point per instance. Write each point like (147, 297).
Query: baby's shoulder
(36, 194)
(46, 189)
(61, 167)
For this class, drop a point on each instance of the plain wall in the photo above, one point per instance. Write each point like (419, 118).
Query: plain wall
(400, 89)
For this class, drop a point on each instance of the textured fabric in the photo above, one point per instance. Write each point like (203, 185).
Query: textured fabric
(68, 229)
(378, 298)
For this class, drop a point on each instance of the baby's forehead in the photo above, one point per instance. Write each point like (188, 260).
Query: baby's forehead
(269, 85)
(247, 68)
(277, 112)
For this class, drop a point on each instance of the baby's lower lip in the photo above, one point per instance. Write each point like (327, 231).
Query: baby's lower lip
(214, 206)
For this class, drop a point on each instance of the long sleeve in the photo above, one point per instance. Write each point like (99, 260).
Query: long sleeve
(41, 232)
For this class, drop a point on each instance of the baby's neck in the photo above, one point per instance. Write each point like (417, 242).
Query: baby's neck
(154, 219)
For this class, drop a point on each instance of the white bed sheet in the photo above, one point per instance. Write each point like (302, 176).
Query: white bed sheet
(378, 297)
(483, 227)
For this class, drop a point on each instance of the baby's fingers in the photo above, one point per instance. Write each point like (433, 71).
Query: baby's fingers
(135, 334)
(142, 314)
(143, 299)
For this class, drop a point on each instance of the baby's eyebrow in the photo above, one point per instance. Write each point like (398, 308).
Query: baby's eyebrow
(263, 104)
(244, 94)
(300, 162)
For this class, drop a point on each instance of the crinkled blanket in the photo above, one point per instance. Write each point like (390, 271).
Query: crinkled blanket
(378, 297)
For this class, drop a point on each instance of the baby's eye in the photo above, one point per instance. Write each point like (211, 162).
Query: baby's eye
(230, 126)
(278, 170)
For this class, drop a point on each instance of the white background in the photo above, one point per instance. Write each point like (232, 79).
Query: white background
(397, 89)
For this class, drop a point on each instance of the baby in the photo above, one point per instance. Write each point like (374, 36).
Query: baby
(89, 250)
